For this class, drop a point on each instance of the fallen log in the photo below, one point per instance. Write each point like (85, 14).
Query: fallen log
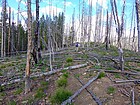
(114, 71)
(124, 81)
(69, 100)
(133, 97)
(97, 100)
(45, 74)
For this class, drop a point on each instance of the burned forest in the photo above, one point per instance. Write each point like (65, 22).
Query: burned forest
(69, 52)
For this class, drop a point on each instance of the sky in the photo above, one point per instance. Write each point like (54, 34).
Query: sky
(58, 6)
(70, 5)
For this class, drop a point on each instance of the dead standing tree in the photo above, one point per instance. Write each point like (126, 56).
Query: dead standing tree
(3, 41)
(36, 50)
(138, 21)
(9, 36)
(28, 62)
(119, 30)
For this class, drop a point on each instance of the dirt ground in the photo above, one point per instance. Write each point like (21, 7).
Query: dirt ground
(120, 95)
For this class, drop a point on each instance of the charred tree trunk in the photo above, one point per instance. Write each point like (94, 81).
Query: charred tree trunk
(28, 62)
(9, 36)
(138, 22)
(107, 37)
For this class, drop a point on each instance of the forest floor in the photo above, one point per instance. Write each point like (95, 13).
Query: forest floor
(112, 87)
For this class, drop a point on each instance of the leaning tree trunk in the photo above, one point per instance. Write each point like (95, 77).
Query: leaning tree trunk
(28, 62)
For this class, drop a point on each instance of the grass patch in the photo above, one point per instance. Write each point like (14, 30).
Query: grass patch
(68, 64)
(2, 94)
(117, 75)
(110, 90)
(61, 82)
(69, 59)
(40, 93)
(65, 75)
(0, 74)
(59, 96)
(44, 84)
(12, 102)
(1, 88)
(101, 75)
(43, 68)
(77, 75)
(97, 67)
(18, 91)
(63, 71)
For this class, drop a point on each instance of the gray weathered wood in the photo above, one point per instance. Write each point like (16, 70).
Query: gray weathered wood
(68, 101)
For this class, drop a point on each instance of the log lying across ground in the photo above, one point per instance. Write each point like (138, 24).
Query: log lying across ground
(69, 100)
(124, 81)
(115, 71)
(45, 74)
(97, 100)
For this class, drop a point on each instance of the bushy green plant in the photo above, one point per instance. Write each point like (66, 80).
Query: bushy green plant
(1, 88)
(65, 75)
(110, 90)
(60, 95)
(69, 59)
(62, 82)
(102, 74)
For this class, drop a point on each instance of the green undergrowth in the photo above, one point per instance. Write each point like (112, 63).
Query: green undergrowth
(61, 93)
(110, 90)
(40, 93)
(63, 80)
(18, 91)
(101, 75)
(59, 96)
(12, 102)
(69, 59)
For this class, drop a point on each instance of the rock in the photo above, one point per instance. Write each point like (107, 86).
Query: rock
(84, 73)
(24, 102)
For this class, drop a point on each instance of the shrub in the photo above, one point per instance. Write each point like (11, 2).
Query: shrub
(69, 59)
(40, 93)
(18, 91)
(62, 82)
(102, 74)
(44, 83)
(65, 75)
(1, 88)
(12, 102)
(60, 95)
(110, 90)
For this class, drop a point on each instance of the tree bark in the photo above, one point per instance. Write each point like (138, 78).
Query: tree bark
(138, 22)
(9, 36)
(28, 62)
(3, 42)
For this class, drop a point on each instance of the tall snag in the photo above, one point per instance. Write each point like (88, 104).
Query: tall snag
(9, 36)
(138, 21)
(3, 41)
(36, 50)
(28, 62)
(120, 29)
